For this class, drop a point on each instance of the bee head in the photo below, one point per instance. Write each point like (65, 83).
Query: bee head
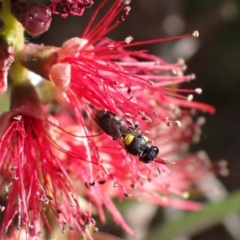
(149, 154)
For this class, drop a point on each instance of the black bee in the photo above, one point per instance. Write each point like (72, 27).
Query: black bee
(134, 142)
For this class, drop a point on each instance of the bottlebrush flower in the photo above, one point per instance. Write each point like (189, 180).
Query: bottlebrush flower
(94, 72)
(110, 172)
(32, 173)
(106, 73)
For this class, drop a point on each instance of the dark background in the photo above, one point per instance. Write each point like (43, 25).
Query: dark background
(216, 63)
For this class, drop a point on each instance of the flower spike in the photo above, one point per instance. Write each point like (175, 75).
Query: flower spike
(54, 152)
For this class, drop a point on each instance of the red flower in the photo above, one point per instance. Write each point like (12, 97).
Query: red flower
(108, 74)
(94, 72)
(32, 171)
(109, 172)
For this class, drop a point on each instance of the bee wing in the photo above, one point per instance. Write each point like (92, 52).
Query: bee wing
(121, 142)
(110, 123)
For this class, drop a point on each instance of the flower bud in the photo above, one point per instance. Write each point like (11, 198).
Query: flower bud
(72, 7)
(38, 58)
(35, 18)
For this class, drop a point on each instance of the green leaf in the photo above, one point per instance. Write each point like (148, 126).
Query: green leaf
(193, 222)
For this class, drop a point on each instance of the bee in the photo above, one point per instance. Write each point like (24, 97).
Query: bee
(132, 140)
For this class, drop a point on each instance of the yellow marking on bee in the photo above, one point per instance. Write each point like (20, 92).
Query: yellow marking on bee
(128, 139)
(146, 139)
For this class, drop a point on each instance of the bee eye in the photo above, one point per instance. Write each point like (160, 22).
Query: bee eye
(149, 154)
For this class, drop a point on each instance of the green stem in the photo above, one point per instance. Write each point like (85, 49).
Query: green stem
(13, 34)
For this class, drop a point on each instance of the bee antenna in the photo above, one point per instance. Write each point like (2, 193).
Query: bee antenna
(130, 122)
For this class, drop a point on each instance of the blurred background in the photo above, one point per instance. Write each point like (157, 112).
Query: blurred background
(214, 58)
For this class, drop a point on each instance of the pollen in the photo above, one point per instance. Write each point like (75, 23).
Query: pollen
(181, 61)
(198, 90)
(178, 123)
(190, 97)
(17, 118)
(185, 195)
(2, 208)
(126, 2)
(128, 39)
(195, 34)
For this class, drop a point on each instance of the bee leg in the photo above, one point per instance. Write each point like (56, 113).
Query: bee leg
(150, 142)
(130, 123)
(136, 126)
(133, 125)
